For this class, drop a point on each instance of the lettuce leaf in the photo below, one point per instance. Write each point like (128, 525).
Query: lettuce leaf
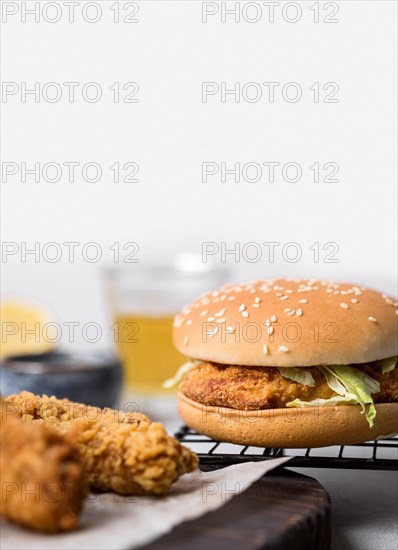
(355, 381)
(331, 402)
(334, 383)
(352, 387)
(388, 365)
(298, 375)
(358, 386)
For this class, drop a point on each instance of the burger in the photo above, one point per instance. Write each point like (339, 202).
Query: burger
(289, 363)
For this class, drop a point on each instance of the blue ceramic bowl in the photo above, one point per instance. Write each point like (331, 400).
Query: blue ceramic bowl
(90, 379)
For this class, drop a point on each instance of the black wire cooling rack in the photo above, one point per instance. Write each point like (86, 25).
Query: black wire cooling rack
(372, 455)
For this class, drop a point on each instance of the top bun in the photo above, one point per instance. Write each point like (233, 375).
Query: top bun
(289, 323)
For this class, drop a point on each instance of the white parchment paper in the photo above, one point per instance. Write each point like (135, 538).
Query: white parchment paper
(112, 522)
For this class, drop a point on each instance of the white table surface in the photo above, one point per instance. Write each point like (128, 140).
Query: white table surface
(364, 507)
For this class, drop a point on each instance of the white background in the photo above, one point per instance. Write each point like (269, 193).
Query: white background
(170, 132)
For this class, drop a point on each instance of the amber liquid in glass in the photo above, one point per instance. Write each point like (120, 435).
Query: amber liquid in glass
(147, 352)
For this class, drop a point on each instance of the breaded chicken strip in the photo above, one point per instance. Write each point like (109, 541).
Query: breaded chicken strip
(122, 452)
(55, 410)
(43, 483)
(256, 388)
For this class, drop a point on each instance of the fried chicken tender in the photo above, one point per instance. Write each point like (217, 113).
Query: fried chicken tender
(122, 452)
(43, 481)
(256, 388)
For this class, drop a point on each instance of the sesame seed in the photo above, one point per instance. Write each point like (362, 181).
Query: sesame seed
(389, 301)
(267, 323)
(220, 313)
(284, 297)
(344, 305)
(304, 301)
(291, 312)
(221, 320)
(210, 319)
(256, 305)
(354, 300)
(189, 322)
(257, 300)
(242, 307)
(299, 312)
(273, 318)
(245, 314)
(230, 329)
(270, 330)
(186, 340)
(283, 348)
(204, 312)
(265, 349)
(231, 297)
(373, 319)
(287, 309)
(288, 291)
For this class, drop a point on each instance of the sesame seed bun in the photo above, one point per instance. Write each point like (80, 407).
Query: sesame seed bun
(289, 428)
(289, 323)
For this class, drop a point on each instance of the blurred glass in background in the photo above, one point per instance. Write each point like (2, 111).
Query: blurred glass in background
(144, 300)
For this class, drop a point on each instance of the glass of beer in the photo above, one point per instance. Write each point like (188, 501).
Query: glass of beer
(144, 300)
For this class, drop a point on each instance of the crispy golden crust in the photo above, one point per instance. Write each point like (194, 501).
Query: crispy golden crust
(55, 410)
(256, 388)
(43, 482)
(133, 459)
(122, 452)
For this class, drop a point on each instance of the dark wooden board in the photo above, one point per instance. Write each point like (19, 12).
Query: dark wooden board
(282, 511)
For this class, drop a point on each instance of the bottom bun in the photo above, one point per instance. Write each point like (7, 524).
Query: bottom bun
(289, 427)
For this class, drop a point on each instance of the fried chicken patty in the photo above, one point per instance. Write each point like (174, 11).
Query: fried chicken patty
(255, 388)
